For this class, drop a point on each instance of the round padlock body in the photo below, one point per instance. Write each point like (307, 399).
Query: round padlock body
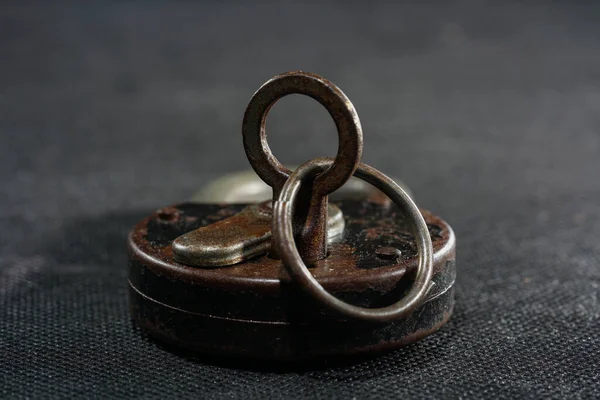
(253, 309)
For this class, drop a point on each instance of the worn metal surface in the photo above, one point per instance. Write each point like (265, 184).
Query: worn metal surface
(238, 238)
(386, 281)
(311, 213)
(283, 210)
(254, 309)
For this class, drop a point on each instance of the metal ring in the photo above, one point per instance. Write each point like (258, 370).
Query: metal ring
(283, 210)
(270, 170)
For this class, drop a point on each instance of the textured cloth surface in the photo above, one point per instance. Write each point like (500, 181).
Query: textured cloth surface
(490, 112)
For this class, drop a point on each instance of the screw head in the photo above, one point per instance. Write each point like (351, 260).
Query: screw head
(168, 214)
(388, 253)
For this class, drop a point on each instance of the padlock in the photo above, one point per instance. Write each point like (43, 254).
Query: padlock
(296, 277)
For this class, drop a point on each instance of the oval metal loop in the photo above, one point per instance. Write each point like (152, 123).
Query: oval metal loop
(268, 168)
(283, 210)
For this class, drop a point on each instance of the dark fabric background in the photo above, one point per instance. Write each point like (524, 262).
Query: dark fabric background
(489, 111)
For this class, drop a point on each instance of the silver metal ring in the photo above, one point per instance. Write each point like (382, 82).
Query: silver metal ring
(283, 236)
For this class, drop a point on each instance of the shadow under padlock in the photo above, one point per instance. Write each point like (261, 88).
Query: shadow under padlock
(299, 277)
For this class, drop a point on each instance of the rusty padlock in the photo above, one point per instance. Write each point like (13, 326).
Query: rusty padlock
(298, 277)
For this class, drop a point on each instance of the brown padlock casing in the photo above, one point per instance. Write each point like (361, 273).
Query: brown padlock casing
(253, 309)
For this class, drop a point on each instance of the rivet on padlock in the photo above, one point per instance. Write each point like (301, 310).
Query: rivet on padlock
(297, 277)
